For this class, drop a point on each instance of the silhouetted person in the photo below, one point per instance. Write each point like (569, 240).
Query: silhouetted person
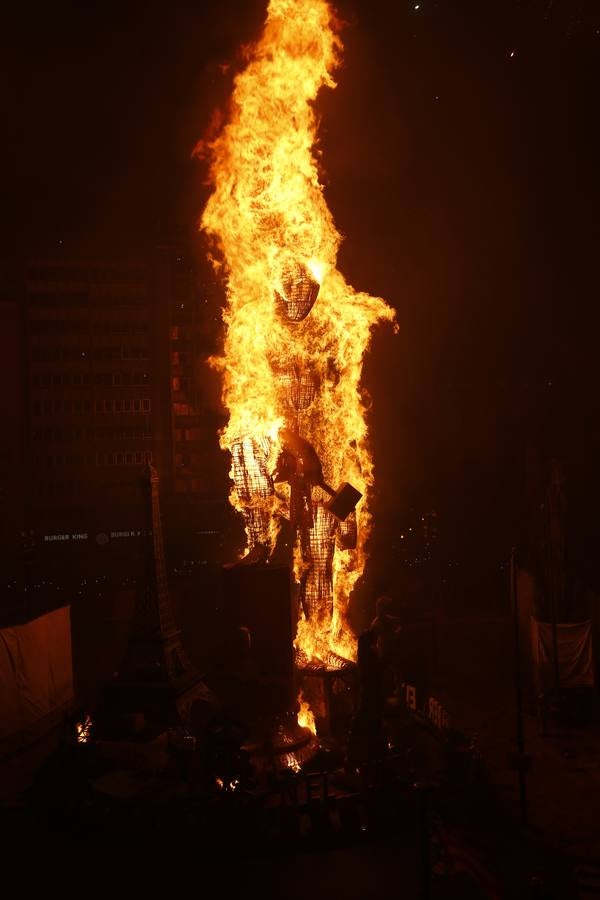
(386, 628)
(227, 763)
(370, 677)
(366, 742)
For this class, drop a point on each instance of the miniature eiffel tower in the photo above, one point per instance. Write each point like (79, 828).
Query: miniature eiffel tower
(156, 678)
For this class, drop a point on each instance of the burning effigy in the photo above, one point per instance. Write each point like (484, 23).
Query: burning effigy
(295, 331)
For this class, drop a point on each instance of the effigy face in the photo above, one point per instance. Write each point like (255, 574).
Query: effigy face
(298, 293)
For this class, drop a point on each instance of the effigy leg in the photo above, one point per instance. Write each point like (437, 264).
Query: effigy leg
(254, 489)
(317, 545)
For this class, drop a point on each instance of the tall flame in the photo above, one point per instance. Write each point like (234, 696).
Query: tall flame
(306, 717)
(267, 216)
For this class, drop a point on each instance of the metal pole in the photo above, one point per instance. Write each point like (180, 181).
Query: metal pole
(556, 561)
(424, 810)
(555, 595)
(521, 762)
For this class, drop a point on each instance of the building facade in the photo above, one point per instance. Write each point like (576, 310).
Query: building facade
(108, 377)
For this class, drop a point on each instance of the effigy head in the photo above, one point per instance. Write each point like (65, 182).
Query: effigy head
(298, 293)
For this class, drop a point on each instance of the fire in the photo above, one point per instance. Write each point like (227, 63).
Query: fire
(84, 730)
(295, 331)
(306, 717)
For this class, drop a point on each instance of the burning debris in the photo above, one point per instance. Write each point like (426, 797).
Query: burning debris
(296, 332)
(83, 730)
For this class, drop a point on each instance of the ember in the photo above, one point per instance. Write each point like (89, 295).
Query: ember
(296, 332)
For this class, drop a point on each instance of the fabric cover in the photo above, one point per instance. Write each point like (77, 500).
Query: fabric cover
(36, 677)
(575, 659)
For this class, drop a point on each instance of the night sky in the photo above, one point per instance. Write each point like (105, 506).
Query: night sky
(461, 156)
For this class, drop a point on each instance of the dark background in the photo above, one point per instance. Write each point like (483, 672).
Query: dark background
(461, 162)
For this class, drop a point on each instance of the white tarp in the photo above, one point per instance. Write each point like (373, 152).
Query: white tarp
(36, 677)
(575, 658)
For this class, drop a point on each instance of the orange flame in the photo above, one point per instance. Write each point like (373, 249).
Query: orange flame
(84, 730)
(306, 717)
(267, 215)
